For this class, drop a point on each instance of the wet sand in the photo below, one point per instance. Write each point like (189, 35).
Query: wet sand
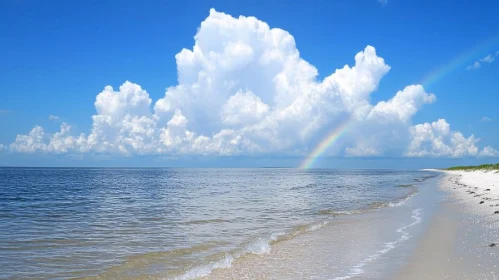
(450, 241)
(342, 250)
(371, 245)
(456, 244)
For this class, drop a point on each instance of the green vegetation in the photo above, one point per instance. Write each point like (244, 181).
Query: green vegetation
(477, 167)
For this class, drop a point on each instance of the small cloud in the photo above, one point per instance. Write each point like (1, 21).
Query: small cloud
(54, 118)
(486, 119)
(489, 58)
(488, 151)
(473, 66)
(5, 112)
(383, 2)
(486, 59)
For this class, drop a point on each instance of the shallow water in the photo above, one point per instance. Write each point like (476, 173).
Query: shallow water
(456, 244)
(369, 244)
(183, 223)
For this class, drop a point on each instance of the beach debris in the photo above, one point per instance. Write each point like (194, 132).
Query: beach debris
(492, 245)
(482, 202)
(487, 189)
(496, 212)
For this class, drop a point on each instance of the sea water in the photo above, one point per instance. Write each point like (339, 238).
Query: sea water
(160, 223)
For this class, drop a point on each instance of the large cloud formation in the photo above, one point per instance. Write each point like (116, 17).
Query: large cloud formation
(244, 89)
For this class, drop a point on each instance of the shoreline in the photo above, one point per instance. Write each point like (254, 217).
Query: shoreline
(462, 241)
(371, 244)
(441, 228)
(249, 224)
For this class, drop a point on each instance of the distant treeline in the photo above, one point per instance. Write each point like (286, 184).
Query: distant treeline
(476, 167)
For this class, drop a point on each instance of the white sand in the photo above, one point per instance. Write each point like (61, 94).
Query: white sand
(456, 245)
(473, 187)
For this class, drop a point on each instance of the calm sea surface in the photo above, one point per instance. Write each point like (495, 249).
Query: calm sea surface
(107, 223)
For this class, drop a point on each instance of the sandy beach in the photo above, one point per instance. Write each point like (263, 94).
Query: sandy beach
(460, 242)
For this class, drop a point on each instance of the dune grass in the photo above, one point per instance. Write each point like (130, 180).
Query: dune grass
(476, 167)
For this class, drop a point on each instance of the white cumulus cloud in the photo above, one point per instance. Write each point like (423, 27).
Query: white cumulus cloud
(39, 141)
(486, 119)
(243, 108)
(32, 142)
(243, 88)
(437, 139)
(403, 105)
(489, 152)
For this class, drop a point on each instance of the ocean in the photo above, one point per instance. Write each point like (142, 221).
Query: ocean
(163, 223)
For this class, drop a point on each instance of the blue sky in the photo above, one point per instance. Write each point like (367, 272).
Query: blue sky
(57, 56)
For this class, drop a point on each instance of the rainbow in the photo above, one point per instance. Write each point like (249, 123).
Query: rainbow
(331, 138)
(459, 62)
